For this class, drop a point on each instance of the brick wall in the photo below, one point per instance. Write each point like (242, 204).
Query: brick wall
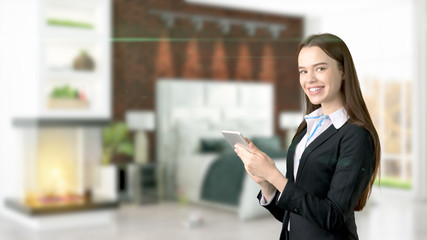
(145, 49)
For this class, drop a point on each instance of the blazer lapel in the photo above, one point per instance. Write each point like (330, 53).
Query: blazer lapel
(291, 154)
(313, 145)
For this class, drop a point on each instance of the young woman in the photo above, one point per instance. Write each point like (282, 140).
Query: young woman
(334, 157)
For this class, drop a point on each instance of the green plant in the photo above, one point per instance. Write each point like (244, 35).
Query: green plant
(116, 140)
(394, 183)
(69, 23)
(65, 92)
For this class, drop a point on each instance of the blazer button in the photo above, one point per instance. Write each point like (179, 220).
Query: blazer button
(296, 210)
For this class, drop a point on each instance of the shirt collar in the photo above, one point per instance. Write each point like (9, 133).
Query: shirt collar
(338, 118)
(316, 113)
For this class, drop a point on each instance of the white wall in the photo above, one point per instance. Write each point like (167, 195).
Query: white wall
(420, 99)
(18, 94)
(375, 37)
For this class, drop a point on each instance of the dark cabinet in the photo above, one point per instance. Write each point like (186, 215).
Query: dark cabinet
(147, 181)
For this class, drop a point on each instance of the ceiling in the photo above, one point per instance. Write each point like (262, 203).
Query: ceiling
(304, 8)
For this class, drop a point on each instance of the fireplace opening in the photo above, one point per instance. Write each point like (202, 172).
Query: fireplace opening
(53, 169)
(60, 160)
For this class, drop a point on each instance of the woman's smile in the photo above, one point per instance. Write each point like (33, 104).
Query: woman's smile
(315, 90)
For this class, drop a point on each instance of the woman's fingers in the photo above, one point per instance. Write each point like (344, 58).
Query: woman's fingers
(251, 145)
(241, 152)
(241, 149)
(247, 157)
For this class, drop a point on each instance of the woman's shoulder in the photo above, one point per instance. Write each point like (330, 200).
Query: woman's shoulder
(350, 128)
(353, 136)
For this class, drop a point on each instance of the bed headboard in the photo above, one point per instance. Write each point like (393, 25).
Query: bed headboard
(203, 108)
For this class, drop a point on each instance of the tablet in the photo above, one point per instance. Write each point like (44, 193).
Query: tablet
(234, 137)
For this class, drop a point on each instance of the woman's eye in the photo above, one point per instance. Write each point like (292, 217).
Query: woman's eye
(320, 69)
(302, 71)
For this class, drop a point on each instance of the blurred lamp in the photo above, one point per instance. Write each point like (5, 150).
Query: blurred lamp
(140, 121)
(290, 121)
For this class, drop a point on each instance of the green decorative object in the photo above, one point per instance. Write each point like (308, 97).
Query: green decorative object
(66, 97)
(65, 92)
(69, 23)
(116, 140)
(84, 62)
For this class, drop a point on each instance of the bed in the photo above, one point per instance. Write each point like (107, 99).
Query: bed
(191, 153)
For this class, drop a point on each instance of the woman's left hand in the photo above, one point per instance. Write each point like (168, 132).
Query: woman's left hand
(256, 163)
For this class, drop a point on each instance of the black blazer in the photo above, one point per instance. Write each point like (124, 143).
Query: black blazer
(334, 171)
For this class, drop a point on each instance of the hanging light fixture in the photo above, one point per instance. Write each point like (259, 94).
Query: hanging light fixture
(225, 23)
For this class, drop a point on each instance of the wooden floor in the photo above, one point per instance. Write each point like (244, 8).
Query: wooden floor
(380, 220)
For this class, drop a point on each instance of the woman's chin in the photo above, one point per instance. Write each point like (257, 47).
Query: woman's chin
(315, 102)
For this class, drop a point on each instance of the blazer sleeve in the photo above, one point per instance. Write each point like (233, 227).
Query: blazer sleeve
(353, 171)
(276, 211)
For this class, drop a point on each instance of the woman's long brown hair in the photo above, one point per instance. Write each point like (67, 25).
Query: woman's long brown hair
(351, 97)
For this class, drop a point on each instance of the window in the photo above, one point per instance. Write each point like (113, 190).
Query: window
(381, 41)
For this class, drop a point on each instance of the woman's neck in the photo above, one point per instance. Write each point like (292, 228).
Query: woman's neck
(328, 109)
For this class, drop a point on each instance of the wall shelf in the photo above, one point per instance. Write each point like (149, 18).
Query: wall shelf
(72, 75)
(61, 45)
(60, 122)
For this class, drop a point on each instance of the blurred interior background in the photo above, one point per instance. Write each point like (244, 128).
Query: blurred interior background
(111, 112)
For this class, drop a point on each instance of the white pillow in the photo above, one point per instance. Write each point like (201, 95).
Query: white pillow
(256, 127)
(187, 136)
(190, 134)
(238, 114)
(223, 125)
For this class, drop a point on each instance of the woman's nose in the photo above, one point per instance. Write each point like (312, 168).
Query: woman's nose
(310, 77)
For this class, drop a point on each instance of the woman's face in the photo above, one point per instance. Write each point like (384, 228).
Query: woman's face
(320, 78)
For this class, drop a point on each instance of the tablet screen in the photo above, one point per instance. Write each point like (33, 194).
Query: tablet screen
(234, 137)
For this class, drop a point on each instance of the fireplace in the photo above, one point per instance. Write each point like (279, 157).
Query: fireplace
(61, 160)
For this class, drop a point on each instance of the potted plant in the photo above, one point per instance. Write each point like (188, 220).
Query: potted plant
(116, 141)
(84, 62)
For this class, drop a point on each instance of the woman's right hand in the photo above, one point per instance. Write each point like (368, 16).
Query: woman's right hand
(260, 181)
(267, 188)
